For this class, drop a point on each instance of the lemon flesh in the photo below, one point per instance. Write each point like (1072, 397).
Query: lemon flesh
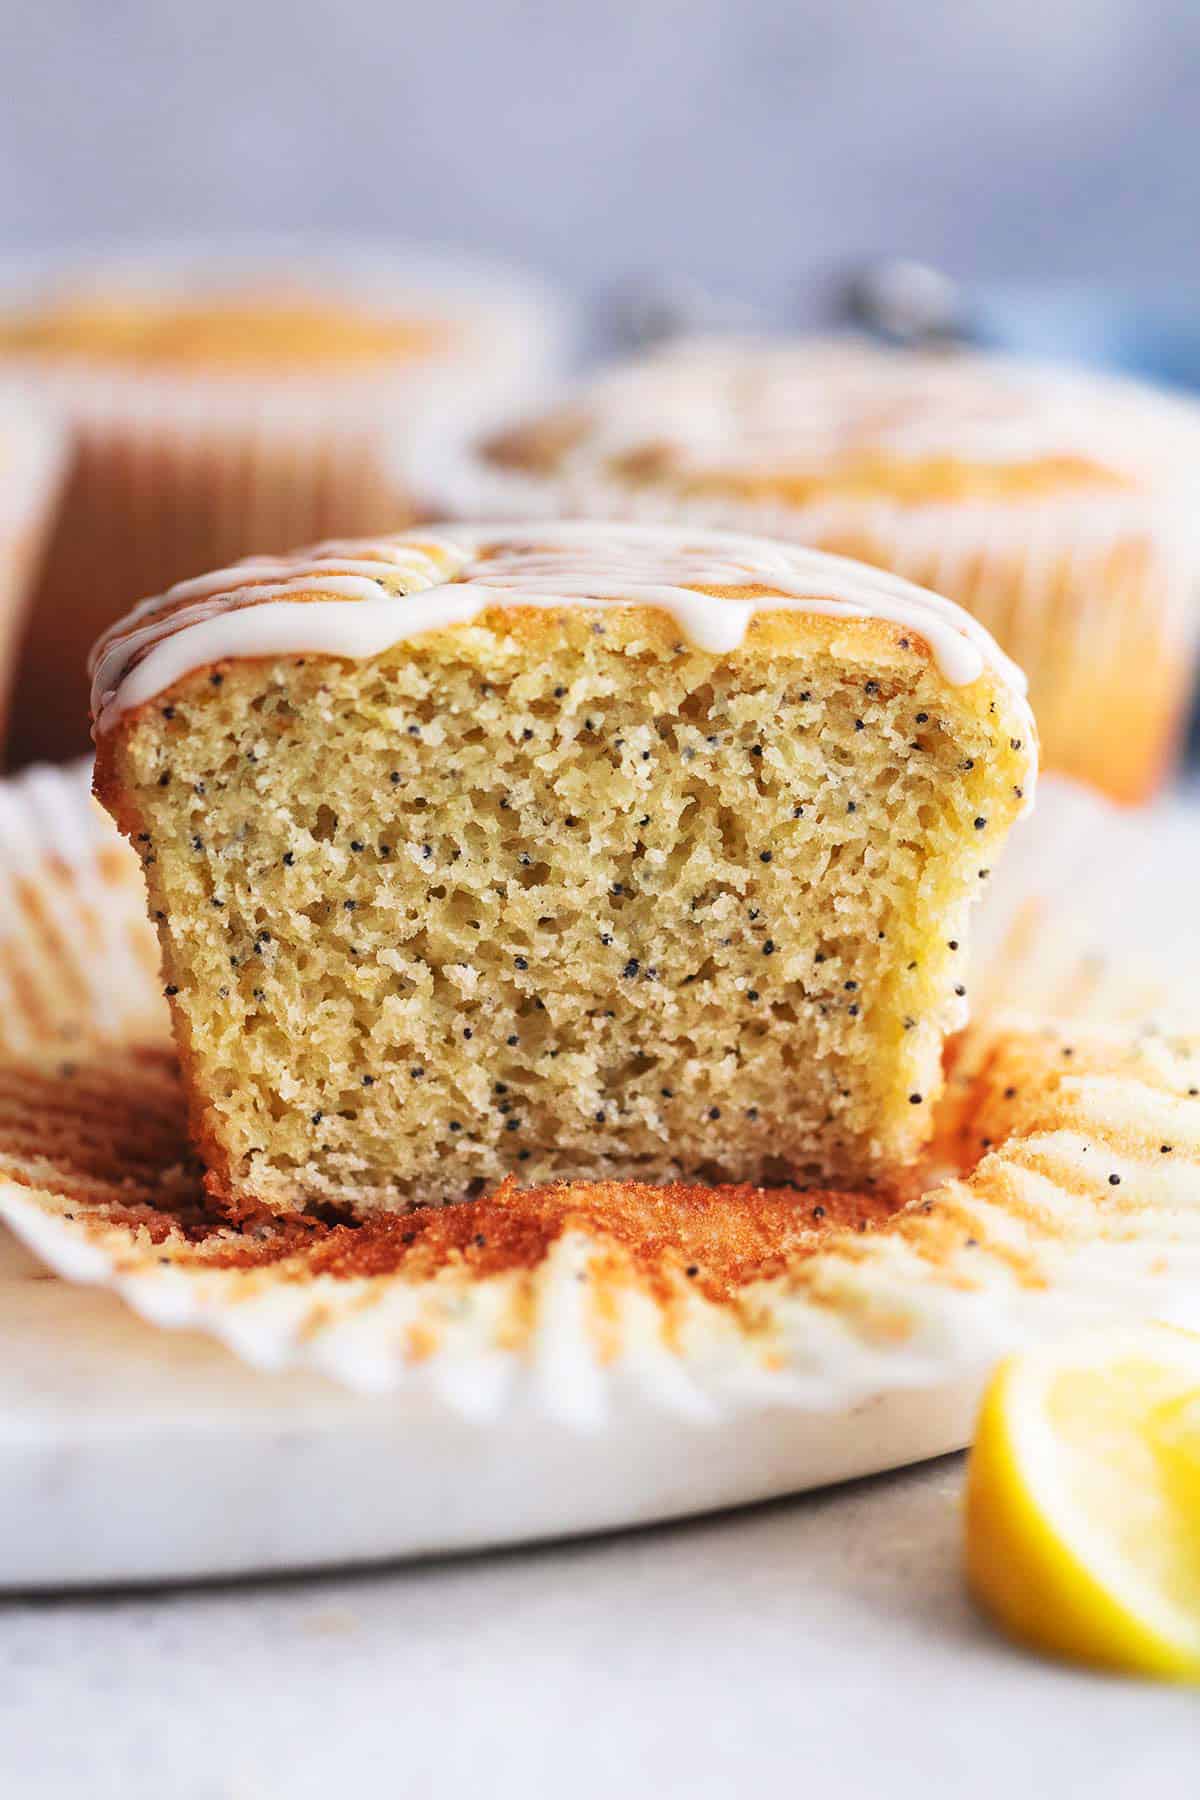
(1083, 1501)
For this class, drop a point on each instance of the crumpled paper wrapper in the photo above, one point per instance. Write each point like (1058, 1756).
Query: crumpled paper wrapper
(79, 959)
(1064, 1184)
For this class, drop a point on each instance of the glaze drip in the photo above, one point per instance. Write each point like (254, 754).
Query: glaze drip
(358, 599)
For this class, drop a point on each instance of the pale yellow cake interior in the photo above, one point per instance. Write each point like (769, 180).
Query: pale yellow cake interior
(561, 895)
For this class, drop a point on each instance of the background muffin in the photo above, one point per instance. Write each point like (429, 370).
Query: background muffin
(1059, 508)
(223, 402)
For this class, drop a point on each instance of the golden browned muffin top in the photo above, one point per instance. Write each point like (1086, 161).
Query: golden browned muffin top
(261, 327)
(711, 585)
(793, 424)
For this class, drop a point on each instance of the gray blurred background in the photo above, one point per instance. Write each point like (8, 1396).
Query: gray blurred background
(754, 146)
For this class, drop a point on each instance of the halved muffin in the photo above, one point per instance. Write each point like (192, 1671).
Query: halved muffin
(589, 850)
(1060, 508)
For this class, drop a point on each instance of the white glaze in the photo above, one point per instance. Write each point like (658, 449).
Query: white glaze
(450, 575)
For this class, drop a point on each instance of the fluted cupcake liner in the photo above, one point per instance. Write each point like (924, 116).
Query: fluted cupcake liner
(867, 1323)
(703, 1305)
(32, 460)
(79, 959)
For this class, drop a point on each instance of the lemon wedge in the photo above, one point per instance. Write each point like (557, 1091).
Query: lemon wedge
(1083, 1500)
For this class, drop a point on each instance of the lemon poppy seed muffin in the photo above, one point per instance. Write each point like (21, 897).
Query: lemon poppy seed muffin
(1060, 508)
(223, 401)
(581, 850)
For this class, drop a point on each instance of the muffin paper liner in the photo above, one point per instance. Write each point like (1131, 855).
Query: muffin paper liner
(32, 461)
(96, 1179)
(79, 961)
(574, 1299)
(32, 450)
(1090, 915)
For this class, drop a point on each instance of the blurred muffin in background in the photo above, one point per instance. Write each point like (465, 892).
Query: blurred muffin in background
(1061, 508)
(32, 460)
(226, 401)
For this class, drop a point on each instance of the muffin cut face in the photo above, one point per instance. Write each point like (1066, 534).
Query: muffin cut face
(550, 888)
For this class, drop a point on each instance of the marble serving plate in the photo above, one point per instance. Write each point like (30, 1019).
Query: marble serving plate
(129, 1454)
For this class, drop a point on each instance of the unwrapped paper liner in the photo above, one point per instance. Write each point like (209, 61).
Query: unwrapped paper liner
(78, 957)
(702, 1301)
